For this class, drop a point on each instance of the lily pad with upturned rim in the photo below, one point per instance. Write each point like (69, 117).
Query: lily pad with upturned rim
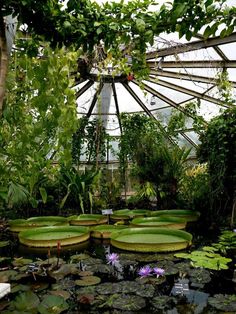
(151, 239)
(187, 214)
(126, 214)
(88, 220)
(50, 236)
(105, 231)
(18, 225)
(162, 221)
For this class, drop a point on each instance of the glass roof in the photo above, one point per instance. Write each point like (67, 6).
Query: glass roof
(180, 71)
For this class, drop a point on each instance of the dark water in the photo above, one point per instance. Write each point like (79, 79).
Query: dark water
(189, 299)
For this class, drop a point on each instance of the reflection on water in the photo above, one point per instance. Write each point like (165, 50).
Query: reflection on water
(42, 252)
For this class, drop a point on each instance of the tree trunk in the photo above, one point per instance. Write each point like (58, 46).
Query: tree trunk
(3, 62)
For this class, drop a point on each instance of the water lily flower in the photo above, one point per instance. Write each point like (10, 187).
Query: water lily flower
(234, 230)
(145, 271)
(158, 271)
(112, 258)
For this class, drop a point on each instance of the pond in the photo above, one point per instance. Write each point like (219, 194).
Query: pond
(95, 277)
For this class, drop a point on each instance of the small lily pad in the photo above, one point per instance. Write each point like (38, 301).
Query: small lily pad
(163, 302)
(26, 302)
(4, 243)
(88, 281)
(223, 302)
(62, 293)
(199, 276)
(39, 286)
(64, 270)
(19, 287)
(126, 302)
(52, 304)
(85, 273)
(19, 262)
(79, 257)
(152, 280)
(8, 275)
(64, 284)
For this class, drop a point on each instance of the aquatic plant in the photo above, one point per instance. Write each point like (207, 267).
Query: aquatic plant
(112, 258)
(206, 258)
(158, 271)
(145, 271)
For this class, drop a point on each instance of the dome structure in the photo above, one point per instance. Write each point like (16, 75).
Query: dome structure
(180, 72)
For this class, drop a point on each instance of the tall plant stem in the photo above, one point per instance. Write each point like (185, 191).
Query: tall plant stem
(3, 62)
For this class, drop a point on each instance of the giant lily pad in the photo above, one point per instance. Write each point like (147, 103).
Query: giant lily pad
(18, 225)
(104, 231)
(162, 221)
(51, 236)
(88, 220)
(151, 239)
(188, 215)
(126, 214)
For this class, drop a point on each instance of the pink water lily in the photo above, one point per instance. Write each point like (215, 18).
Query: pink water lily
(145, 271)
(158, 271)
(112, 258)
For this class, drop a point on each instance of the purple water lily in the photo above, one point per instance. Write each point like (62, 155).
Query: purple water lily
(145, 271)
(158, 271)
(234, 230)
(112, 258)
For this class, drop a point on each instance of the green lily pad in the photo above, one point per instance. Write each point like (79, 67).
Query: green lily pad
(88, 281)
(163, 302)
(223, 302)
(79, 257)
(52, 304)
(126, 214)
(88, 220)
(151, 239)
(61, 293)
(19, 287)
(199, 277)
(18, 262)
(4, 243)
(64, 284)
(7, 275)
(85, 273)
(104, 231)
(159, 221)
(26, 302)
(18, 225)
(39, 286)
(125, 302)
(188, 215)
(50, 236)
(63, 271)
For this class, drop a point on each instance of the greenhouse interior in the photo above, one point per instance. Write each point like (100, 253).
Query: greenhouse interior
(118, 156)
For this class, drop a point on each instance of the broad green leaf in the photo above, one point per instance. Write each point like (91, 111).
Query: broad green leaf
(52, 304)
(140, 24)
(43, 194)
(26, 301)
(207, 32)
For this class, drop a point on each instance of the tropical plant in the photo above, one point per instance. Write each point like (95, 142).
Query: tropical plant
(226, 243)
(218, 149)
(162, 165)
(79, 187)
(195, 189)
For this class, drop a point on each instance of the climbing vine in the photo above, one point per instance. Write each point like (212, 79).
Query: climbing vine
(218, 149)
